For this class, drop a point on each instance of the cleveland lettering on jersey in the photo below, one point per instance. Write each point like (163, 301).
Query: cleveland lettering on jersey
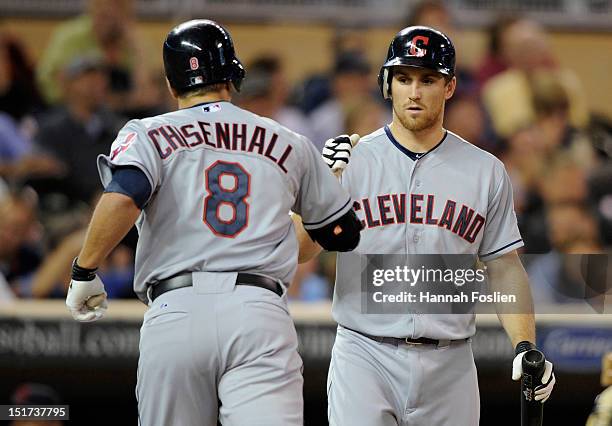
(390, 209)
(169, 139)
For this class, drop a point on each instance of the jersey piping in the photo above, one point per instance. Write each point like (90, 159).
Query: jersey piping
(500, 249)
(328, 217)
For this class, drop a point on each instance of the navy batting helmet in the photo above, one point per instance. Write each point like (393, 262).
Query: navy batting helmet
(198, 53)
(419, 47)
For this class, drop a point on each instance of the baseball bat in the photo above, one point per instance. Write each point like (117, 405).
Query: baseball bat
(533, 370)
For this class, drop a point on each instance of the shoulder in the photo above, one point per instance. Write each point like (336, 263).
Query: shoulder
(470, 152)
(139, 124)
(371, 143)
(133, 131)
(368, 155)
(374, 137)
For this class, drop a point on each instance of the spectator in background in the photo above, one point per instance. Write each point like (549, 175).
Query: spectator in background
(466, 117)
(436, 14)
(365, 116)
(549, 160)
(19, 160)
(432, 13)
(495, 61)
(317, 88)
(35, 394)
(51, 279)
(465, 114)
(20, 252)
(351, 85)
(561, 180)
(557, 277)
(109, 30)
(572, 228)
(530, 150)
(551, 105)
(77, 132)
(600, 195)
(524, 158)
(508, 96)
(19, 96)
(308, 285)
(19, 100)
(264, 92)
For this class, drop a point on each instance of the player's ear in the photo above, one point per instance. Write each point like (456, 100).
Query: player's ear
(171, 90)
(450, 88)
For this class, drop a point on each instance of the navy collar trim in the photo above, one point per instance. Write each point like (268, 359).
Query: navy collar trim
(413, 155)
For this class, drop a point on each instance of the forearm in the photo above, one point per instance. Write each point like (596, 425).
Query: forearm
(112, 219)
(519, 327)
(308, 247)
(507, 276)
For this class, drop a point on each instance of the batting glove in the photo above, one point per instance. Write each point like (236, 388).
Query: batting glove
(542, 393)
(337, 151)
(86, 299)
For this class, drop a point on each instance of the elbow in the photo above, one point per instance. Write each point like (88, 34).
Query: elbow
(343, 234)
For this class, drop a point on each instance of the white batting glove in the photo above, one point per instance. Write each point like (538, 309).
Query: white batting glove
(86, 298)
(542, 393)
(337, 151)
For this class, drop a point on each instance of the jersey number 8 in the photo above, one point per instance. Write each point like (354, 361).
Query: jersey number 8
(228, 184)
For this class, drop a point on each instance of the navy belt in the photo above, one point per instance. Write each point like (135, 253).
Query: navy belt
(408, 340)
(185, 280)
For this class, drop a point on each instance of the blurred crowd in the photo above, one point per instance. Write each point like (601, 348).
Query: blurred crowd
(58, 114)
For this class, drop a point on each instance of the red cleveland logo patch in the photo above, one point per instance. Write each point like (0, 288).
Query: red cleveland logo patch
(124, 146)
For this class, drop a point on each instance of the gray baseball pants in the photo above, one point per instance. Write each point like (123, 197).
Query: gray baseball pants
(219, 351)
(381, 384)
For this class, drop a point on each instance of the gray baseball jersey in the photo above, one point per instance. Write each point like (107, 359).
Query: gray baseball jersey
(223, 181)
(454, 199)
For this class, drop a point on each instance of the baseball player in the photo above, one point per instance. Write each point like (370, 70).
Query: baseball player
(420, 189)
(210, 187)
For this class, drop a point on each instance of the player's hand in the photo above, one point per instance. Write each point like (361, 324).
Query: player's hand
(86, 298)
(542, 392)
(337, 151)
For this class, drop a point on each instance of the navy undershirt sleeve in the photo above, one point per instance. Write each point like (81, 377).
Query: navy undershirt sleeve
(130, 181)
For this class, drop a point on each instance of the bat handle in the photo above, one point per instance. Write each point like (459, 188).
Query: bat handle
(533, 370)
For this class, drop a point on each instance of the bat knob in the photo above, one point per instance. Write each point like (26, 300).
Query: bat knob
(533, 364)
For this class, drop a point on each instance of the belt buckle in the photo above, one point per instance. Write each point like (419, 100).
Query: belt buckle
(408, 342)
